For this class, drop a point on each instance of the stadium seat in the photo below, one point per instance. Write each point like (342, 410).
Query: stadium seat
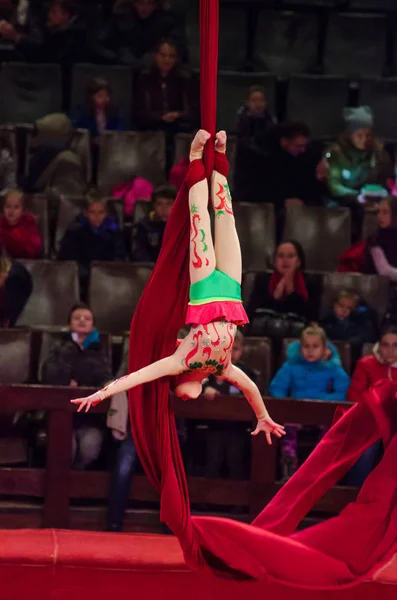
(232, 93)
(141, 210)
(373, 289)
(256, 229)
(81, 144)
(373, 5)
(286, 42)
(114, 292)
(257, 355)
(15, 352)
(31, 91)
(8, 135)
(69, 208)
(370, 224)
(55, 290)
(52, 335)
(342, 347)
(367, 349)
(323, 232)
(355, 44)
(126, 155)
(38, 205)
(381, 96)
(318, 101)
(120, 79)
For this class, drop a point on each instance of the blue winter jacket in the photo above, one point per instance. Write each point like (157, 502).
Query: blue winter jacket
(297, 378)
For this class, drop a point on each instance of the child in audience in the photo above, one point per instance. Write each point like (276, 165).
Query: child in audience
(99, 113)
(79, 360)
(94, 236)
(226, 441)
(19, 234)
(254, 120)
(312, 371)
(349, 320)
(148, 233)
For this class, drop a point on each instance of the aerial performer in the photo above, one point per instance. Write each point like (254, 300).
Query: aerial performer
(215, 309)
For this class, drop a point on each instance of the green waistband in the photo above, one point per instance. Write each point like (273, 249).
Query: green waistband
(217, 287)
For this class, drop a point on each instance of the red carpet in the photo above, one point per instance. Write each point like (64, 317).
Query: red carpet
(63, 565)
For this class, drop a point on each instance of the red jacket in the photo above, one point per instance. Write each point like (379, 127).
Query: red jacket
(369, 370)
(22, 240)
(352, 260)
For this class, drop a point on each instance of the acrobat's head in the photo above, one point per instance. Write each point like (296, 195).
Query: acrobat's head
(188, 386)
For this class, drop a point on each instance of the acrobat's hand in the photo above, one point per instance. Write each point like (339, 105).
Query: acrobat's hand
(269, 427)
(92, 400)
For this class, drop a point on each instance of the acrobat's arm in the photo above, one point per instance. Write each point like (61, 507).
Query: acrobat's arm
(250, 390)
(161, 368)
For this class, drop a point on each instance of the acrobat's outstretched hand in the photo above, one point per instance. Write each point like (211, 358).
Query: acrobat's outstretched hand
(269, 427)
(87, 402)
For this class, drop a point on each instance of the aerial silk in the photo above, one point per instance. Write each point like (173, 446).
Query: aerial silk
(337, 553)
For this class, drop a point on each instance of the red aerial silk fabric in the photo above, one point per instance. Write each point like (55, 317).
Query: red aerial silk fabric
(333, 554)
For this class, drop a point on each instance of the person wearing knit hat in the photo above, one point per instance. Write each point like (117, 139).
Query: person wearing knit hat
(357, 160)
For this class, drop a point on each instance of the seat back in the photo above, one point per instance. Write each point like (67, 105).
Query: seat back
(381, 96)
(81, 144)
(55, 290)
(120, 79)
(141, 209)
(256, 229)
(373, 289)
(323, 232)
(15, 352)
(324, 113)
(114, 292)
(370, 224)
(31, 90)
(367, 349)
(130, 154)
(257, 355)
(8, 135)
(69, 208)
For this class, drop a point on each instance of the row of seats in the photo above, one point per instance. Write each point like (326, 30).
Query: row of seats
(115, 289)
(294, 40)
(35, 90)
(24, 351)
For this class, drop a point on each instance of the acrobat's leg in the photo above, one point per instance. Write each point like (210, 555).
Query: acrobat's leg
(227, 245)
(202, 255)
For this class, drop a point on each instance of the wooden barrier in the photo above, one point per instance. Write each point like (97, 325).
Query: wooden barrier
(57, 484)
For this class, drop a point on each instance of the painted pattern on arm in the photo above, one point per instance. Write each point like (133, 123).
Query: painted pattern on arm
(225, 200)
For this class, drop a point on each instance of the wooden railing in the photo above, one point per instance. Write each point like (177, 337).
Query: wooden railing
(57, 484)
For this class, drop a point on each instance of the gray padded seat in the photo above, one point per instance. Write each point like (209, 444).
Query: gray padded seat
(256, 229)
(120, 79)
(370, 224)
(286, 41)
(55, 290)
(323, 232)
(15, 352)
(114, 292)
(257, 355)
(381, 96)
(318, 101)
(373, 289)
(233, 91)
(29, 91)
(125, 155)
(355, 44)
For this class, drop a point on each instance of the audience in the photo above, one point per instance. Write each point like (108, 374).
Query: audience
(99, 113)
(65, 34)
(79, 360)
(312, 371)
(226, 442)
(147, 235)
(283, 304)
(8, 175)
(21, 33)
(51, 158)
(15, 288)
(165, 94)
(19, 234)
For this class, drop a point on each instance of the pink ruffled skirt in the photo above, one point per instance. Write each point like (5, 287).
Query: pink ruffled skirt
(230, 311)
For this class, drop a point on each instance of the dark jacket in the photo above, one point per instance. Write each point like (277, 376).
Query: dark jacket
(358, 328)
(66, 361)
(66, 45)
(85, 119)
(147, 237)
(30, 29)
(156, 96)
(84, 244)
(14, 294)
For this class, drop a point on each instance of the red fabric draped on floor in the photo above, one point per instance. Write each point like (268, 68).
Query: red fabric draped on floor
(331, 555)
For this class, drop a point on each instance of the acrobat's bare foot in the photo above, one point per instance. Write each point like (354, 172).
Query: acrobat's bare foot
(220, 143)
(197, 147)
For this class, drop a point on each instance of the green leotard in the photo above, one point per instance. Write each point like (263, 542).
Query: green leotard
(217, 287)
